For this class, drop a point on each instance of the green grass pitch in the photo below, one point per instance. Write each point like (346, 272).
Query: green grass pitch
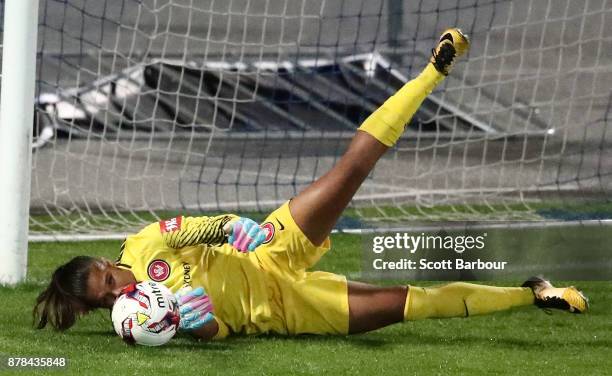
(522, 341)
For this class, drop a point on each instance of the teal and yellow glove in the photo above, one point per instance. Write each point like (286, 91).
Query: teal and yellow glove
(245, 234)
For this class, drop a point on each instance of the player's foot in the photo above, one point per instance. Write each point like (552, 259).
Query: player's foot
(565, 298)
(453, 43)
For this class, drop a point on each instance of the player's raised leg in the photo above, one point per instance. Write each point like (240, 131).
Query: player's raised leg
(318, 207)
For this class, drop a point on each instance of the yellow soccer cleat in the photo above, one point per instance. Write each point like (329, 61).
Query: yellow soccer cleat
(565, 298)
(453, 43)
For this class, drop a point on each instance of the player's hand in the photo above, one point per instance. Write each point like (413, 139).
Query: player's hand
(245, 234)
(195, 308)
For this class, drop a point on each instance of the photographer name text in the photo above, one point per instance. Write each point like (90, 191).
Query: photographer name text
(411, 245)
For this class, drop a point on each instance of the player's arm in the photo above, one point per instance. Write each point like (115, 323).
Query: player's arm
(242, 233)
(213, 330)
(182, 231)
(207, 332)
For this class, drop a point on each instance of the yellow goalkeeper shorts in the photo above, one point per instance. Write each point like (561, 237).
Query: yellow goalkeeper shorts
(301, 301)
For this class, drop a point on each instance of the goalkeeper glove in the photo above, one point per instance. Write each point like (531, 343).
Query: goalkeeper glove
(195, 308)
(245, 234)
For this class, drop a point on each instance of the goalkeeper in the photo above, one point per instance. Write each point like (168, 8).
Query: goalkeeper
(256, 276)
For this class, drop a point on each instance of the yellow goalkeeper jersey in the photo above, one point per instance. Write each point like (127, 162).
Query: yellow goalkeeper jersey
(185, 251)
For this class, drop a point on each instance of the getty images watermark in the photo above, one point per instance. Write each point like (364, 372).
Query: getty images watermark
(412, 244)
(430, 256)
(488, 254)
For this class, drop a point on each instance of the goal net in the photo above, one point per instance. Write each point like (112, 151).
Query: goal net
(151, 107)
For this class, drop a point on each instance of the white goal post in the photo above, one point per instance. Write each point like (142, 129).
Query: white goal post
(16, 117)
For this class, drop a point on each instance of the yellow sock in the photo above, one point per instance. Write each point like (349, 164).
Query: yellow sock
(386, 124)
(459, 299)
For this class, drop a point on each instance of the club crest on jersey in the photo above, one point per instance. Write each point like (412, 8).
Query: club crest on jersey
(170, 225)
(158, 270)
(269, 228)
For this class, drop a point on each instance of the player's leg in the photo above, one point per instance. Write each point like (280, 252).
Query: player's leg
(373, 307)
(318, 207)
(460, 299)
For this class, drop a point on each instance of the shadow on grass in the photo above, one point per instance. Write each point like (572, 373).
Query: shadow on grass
(381, 341)
(240, 342)
(357, 340)
(506, 342)
(182, 341)
(367, 341)
(372, 340)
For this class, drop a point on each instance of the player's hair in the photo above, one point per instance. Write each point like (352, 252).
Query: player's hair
(64, 300)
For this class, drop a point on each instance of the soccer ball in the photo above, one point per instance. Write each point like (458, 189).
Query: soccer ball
(146, 313)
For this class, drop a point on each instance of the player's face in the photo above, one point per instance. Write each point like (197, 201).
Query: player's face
(105, 283)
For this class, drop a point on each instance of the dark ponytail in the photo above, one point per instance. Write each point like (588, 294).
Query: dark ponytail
(64, 300)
